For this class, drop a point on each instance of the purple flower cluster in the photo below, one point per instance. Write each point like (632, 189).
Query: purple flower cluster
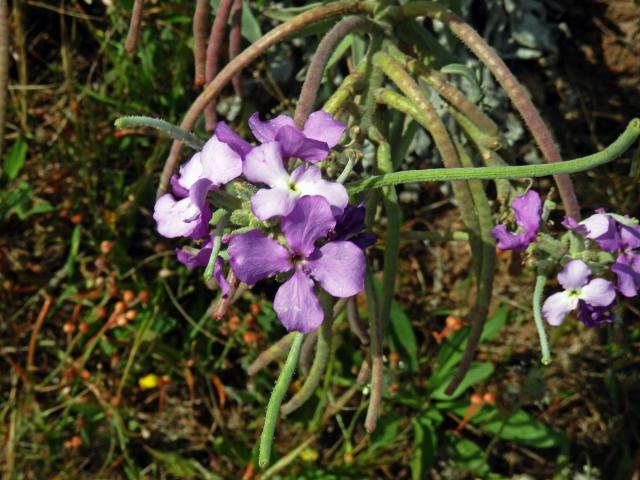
(321, 239)
(593, 297)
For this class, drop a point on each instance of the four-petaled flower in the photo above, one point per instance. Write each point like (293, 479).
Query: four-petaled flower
(574, 277)
(264, 164)
(337, 266)
(528, 212)
(320, 133)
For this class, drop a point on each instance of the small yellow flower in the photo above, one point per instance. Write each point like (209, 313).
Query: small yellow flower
(148, 381)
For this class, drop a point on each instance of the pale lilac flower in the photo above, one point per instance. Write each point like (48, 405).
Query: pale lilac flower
(615, 233)
(338, 266)
(528, 212)
(264, 164)
(216, 164)
(187, 217)
(320, 133)
(574, 277)
(200, 258)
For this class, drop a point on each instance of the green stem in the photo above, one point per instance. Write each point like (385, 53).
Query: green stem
(377, 366)
(541, 280)
(415, 235)
(272, 353)
(486, 267)
(392, 236)
(273, 408)
(165, 127)
(346, 90)
(323, 347)
(215, 249)
(613, 151)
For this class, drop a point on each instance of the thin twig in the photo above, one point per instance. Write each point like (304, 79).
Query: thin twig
(37, 326)
(134, 27)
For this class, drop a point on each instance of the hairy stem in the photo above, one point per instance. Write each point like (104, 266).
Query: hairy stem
(377, 366)
(274, 352)
(355, 322)
(509, 83)
(273, 407)
(134, 27)
(327, 45)
(613, 151)
(276, 35)
(168, 128)
(213, 56)
(200, 24)
(538, 290)
(235, 42)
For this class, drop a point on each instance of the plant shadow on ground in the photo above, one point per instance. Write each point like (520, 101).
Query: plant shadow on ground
(114, 367)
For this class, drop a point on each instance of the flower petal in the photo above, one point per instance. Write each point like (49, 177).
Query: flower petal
(253, 256)
(598, 292)
(338, 267)
(556, 307)
(199, 258)
(177, 189)
(509, 241)
(236, 142)
(264, 165)
(323, 127)
(295, 144)
(266, 131)
(297, 305)
(310, 219)
(270, 202)
(308, 181)
(218, 275)
(220, 163)
(188, 217)
(629, 236)
(602, 228)
(528, 212)
(191, 171)
(574, 275)
(627, 269)
(594, 317)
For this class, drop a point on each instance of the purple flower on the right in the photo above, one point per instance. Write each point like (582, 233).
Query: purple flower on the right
(594, 297)
(615, 233)
(528, 212)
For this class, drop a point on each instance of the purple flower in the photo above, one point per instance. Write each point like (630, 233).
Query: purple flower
(264, 164)
(217, 162)
(602, 228)
(200, 258)
(350, 225)
(321, 132)
(574, 277)
(338, 266)
(594, 317)
(627, 269)
(207, 170)
(528, 213)
(187, 217)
